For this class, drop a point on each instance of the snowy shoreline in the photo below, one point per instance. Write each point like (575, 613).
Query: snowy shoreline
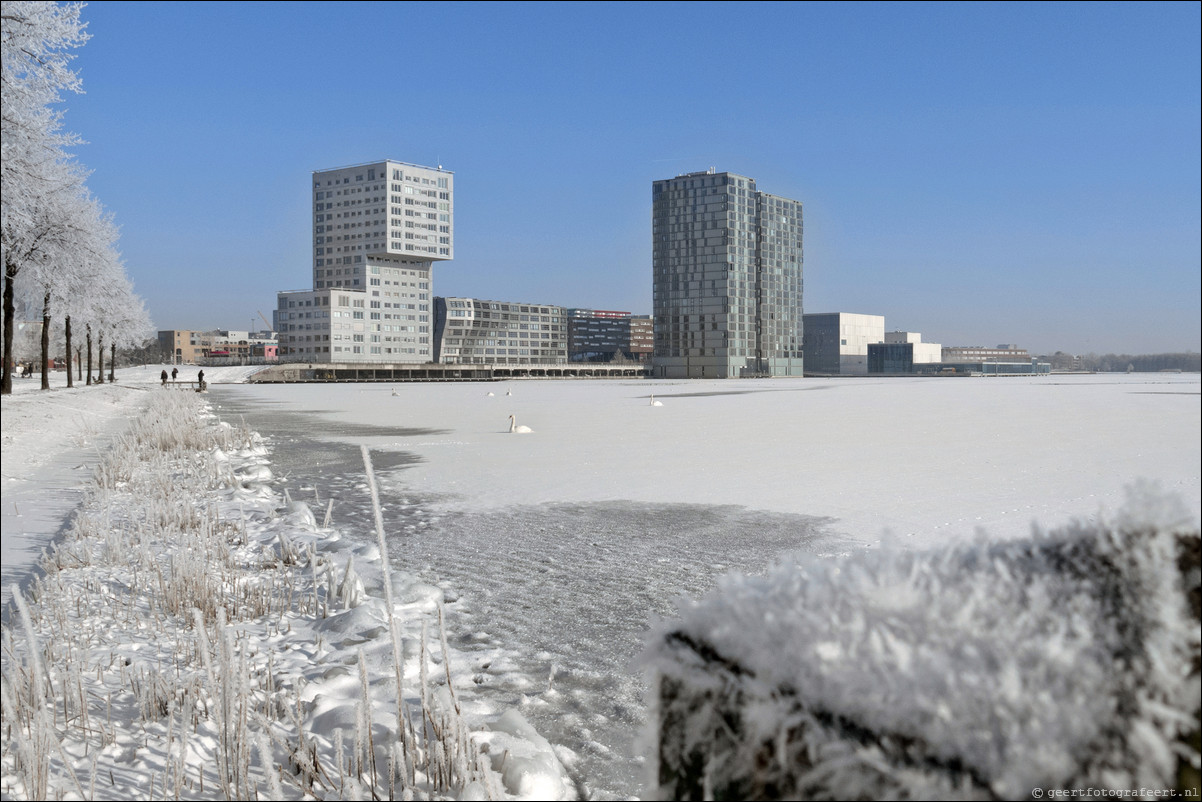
(196, 634)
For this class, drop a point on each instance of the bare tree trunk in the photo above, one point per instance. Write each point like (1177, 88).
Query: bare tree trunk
(89, 355)
(67, 325)
(46, 340)
(100, 357)
(6, 379)
(112, 360)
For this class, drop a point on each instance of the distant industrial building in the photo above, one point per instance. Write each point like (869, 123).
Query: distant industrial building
(727, 278)
(597, 335)
(470, 331)
(836, 343)
(1004, 360)
(977, 353)
(995, 368)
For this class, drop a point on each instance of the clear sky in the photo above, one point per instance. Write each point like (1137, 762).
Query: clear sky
(981, 173)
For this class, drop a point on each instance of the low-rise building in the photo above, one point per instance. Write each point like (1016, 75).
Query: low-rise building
(978, 353)
(902, 352)
(470, 331)
(240, 347)
(836, 343)
(995, 368)
(347, 325)
(182, 346)
(924, 353)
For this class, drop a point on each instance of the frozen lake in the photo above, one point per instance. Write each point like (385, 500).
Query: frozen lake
(557, 547)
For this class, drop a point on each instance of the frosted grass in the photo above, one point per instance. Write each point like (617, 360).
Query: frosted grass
(185, 635)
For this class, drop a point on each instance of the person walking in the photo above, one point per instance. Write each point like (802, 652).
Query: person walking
(174, 373)
(163, 376)
(200, 382)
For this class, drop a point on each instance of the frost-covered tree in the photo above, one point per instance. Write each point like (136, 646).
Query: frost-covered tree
(59, 246)
(125, 320)
(90, 262)
(36, 232)
(38, 180)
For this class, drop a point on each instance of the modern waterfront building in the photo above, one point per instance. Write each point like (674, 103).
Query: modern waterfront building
(378, 229)
(903, 352)
(599, 335)
(836, 343)
(727, 278)
(470, 331)
(924, 353)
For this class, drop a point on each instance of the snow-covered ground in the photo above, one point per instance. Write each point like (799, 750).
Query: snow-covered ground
(51, 442)
(554, 549)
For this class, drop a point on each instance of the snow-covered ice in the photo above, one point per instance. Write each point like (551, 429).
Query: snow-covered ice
(921, 458)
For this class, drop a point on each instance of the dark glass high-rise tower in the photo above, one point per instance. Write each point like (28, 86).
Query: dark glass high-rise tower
(727, 262)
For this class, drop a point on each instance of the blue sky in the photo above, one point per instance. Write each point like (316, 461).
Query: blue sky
(981, 173)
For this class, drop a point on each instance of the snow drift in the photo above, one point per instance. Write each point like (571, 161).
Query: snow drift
(987, 670)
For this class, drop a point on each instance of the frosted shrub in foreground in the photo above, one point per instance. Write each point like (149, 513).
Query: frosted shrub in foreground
(993, 670)
(185, 640)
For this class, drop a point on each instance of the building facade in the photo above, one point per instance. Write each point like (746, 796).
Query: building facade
(378, 229)
(470, 331)
(978, 353)
(727, 278)
(836, 343)
(182, 346)
(238, 347)
(903, 352)
(923, 353)
(598, 335)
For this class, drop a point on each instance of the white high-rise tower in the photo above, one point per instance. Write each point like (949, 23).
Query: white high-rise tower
(378, 228)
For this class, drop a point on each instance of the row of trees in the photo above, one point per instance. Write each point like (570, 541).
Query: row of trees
(61, 261)
(1187, 362)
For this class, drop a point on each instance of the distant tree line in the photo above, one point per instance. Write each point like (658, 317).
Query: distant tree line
(61, 264)
(1141, 363)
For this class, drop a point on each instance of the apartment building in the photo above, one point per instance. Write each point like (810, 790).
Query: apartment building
(378, 229)
(727, 278)
(471, 331)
